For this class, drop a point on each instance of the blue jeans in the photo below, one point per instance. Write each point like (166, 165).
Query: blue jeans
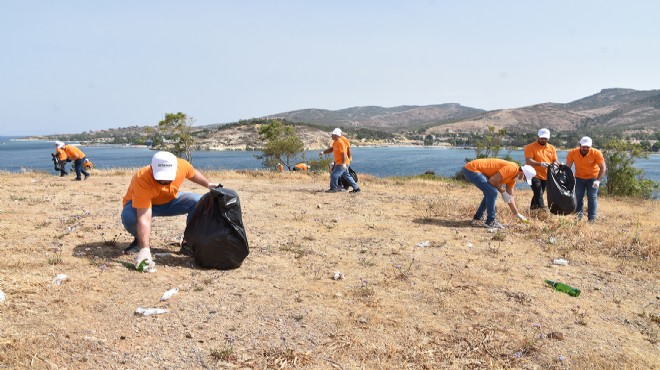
(184, 203)
(337, 172)
(490, 195)
(592, 197)
(79, 168)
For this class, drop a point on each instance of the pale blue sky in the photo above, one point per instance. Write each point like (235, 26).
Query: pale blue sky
(71, 66)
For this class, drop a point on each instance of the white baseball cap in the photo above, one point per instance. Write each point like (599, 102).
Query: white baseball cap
(164, 166)
(336, 131)
(529, 172)
(544, 133)
(586, 141)
(59, 144)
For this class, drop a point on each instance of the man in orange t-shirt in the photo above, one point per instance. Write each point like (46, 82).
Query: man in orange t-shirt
(493, 176)
(540, 154)
(301, 167)
(73, 153)
(589, 171)
(154, 192)
(340, 151)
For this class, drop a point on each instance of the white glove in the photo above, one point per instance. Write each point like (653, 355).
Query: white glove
(543, 164)
(522, 218)
(344, 167)
(144, 254)
(506, 197)
(596, 184)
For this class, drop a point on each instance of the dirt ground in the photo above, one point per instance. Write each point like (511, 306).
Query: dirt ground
(421, 287)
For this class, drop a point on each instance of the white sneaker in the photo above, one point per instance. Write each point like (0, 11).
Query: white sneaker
(494, 225)
(476, 222)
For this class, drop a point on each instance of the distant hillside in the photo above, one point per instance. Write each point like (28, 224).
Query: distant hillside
(401, 118)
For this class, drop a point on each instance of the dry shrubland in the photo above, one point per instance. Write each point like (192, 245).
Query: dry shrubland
(421, 287)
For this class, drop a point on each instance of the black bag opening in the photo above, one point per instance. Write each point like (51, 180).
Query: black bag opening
(215, 232)
(560, 190)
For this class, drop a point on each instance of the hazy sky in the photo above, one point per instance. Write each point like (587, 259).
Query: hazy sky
(71, 66)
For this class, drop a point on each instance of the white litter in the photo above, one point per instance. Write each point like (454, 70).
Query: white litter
(150, 311)
(560, 262)
(167, 295)
(338, 275)
(59, 279)
(424, 244)
(2, 296)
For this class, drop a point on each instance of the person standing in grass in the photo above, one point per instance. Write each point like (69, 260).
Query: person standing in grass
(540, 154)
(154, 192)
(73, 153)
(589, 171)
(493, 176)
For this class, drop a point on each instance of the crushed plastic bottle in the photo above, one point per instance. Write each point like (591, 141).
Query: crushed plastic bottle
(146, 265)
(2, 296)
(167, 295)
(560, 262)
(150, 311)
(59, 279)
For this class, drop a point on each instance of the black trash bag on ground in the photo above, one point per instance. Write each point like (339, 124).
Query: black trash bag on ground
(345, 183)
(560, 190)
(215, 232)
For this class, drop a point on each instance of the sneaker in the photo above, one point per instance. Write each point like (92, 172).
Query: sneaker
(336, 190)
(477, 222)
(185, 249)
(355, 190)
(494, 225)
(133, 247)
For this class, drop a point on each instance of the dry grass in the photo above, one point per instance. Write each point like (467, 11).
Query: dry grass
(422, 289)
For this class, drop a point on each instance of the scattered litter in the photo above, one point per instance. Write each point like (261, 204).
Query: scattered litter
(552, 240)
(167, 295)
(2, 296)
(560, 262)
(424, 244)
(59, 279)
(150, 311)
(492, 230)
(469, 245)
(338, 275)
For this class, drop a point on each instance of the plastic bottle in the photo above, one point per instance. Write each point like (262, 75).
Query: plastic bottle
(573, 292)
(167, 295)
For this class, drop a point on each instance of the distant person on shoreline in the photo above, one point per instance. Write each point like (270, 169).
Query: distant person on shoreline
(493, 176)
(73, 153)
(340, 151)
(301, 167)
(540, 154)
(589, 171)
(154, 192)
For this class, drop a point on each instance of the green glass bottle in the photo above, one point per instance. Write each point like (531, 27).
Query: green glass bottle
(573, 292)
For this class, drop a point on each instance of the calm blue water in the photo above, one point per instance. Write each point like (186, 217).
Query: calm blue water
(381, 162)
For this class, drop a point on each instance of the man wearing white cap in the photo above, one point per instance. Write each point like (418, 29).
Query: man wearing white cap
(341, 155)
(589, 171)
(154, 192)
(69, 152)
(540, 154)
(493, 176)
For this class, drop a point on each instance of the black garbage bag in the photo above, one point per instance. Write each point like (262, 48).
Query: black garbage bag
(215, 232)
(345, 183)
(560, 190)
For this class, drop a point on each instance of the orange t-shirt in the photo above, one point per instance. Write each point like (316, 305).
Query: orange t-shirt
(338, 150)
(301, 167)
(586, 167)
(490, 166)
(61, 154)
(144, 191)
(541, 153)
(348, 145)
(71, 152)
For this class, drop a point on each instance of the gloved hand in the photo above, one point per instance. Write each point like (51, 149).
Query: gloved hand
(144, 254)
(344, 167)
(596, 184)
(522, 218)
(213, 185)
(543, 164)
(506, 197)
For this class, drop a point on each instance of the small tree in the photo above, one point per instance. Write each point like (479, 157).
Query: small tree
(490, 144)
(622, 177)
(174, 134)
(281, 144)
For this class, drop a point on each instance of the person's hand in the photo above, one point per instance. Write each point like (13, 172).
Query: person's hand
(213, 185)
(596, 184)
(506, 197)
(543, 164)
(344, 167)
(522, 218)
(144, 254)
